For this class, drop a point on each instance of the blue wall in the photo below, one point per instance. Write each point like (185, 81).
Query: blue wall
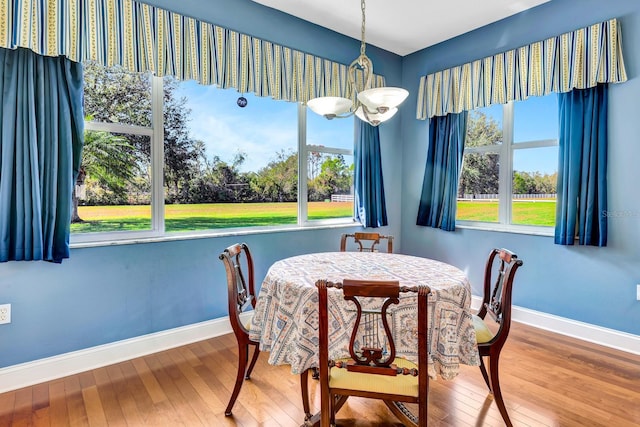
(592, 285)
(110, 293)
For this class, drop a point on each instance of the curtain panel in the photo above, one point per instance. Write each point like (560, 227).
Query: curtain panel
(369, 205)
(579, 59)
(143, 38)
(444, 160)
(582, 168)
(41, 138)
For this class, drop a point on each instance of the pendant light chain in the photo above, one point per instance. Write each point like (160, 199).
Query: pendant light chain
(362, 45)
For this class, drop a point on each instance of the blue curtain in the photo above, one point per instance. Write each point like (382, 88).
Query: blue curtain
(41, 137)
(370, 208)
(582, 169)
(444, 161)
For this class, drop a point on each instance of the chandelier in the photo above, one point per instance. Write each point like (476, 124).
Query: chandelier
(373, 105)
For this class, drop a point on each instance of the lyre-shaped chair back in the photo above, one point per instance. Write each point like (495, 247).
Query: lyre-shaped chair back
(372, 350)
(238, 265)
(499, 273)
(365, 242)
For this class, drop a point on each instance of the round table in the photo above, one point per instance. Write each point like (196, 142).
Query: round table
(285, 321)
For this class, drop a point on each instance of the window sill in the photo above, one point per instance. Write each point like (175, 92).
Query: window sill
(502, 228)
(112, 239)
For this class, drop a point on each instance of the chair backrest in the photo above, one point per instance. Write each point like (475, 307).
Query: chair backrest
(366, 242)
(241, 295)
(372, 346)
(499, 272)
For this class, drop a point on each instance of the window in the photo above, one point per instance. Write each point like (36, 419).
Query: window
(509, 168)
(166, 156)
(329, 153)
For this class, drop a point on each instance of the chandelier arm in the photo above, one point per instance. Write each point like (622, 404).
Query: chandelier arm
(341, 116)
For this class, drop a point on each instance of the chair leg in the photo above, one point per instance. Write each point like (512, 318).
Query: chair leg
(403, 414)
(243, 354)
(495, 388)
(256, 353)
(304, 388)
(483, 369)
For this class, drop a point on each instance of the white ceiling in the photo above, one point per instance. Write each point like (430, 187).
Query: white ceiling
(402, 26)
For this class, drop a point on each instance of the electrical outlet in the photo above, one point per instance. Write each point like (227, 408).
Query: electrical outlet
(5, 313)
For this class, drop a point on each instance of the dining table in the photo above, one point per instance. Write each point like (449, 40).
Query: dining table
(285, 320)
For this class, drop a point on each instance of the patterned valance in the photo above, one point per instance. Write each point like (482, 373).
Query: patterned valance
(141, 38)
(578, 59)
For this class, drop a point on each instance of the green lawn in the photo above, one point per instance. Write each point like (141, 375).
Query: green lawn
(230, 215)
(530, 212)
(203, 216)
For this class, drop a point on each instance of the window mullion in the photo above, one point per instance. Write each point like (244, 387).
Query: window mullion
(506, 165)
(157, 156)
(303, 193)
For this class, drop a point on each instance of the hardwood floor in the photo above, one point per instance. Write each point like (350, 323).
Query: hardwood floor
(547, 380)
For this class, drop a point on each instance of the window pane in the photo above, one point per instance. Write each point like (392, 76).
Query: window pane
(115, 95)
(536, 118)
(478, 188)
(484, 127)
(113, 190)
(534, 186)
(336, 133)
(330, 186)
(227, 166)
(330, 175)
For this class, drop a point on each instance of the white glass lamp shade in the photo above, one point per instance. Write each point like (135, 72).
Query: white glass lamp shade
(330, 106)
(385, 97)
(375, 118)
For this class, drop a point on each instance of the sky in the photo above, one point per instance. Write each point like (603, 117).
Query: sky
(265, 127)
(261, 129)
(534, 119)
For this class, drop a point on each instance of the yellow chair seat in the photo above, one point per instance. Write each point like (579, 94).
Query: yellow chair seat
(483, 333)
(248, 324)
(404, 385)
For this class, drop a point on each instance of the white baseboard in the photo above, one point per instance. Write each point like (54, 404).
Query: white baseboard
(30, 373)
(50, 368)
(623, 341)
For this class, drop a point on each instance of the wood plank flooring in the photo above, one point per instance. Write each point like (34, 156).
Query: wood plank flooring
(547, 380)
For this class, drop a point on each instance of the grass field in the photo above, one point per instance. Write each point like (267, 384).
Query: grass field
(203, 216)
(530, 212)
(230, 215)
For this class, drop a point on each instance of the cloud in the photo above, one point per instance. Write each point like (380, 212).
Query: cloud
(259, 130)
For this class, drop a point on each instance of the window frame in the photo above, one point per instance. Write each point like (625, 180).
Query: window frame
(157, 230)
(505, 152)
(303, 189)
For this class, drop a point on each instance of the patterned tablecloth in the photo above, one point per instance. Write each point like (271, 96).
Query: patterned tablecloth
(285, 321)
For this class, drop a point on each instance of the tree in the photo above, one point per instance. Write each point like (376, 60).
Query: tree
(115, 95)
(181, 152)
(480, 172)
(334, 178)
(534, 183)
(278, 181)
(109, 161)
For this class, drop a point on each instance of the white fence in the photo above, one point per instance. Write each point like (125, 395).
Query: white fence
(342, 197)
(515, 196)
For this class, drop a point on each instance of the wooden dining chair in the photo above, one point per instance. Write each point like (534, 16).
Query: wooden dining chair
(493, 321)
(238, 264)
(373, 370)
(366, 242)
